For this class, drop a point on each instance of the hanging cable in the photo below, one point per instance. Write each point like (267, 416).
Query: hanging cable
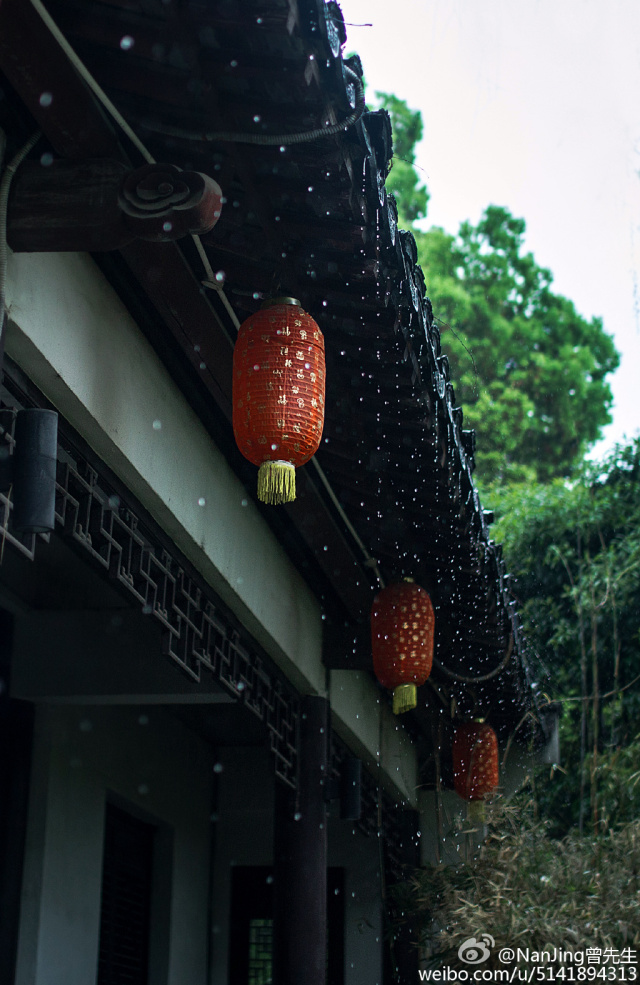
(369, 561)
(84, 73)
(268, 140)
(482, 677)
(223, 136)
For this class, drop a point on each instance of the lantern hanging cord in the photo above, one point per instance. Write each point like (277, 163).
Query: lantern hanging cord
(482, 677)
(369, 561)
(269, 140)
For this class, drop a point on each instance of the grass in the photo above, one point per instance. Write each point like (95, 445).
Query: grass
(527, 889)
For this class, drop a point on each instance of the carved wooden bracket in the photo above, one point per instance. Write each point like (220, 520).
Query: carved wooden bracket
(100, 205)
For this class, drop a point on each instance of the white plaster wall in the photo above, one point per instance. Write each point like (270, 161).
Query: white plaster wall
(157, 766)
(244, 836)
(359, 855)
(373, 732)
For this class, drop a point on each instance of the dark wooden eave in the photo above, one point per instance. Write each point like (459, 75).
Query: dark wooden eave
(76, 127)
(314, 219)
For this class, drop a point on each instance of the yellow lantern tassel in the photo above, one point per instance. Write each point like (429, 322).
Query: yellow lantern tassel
(276, 482)
(405, 697)
(476, 812)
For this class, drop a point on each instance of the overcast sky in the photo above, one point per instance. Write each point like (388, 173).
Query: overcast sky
(534, 105)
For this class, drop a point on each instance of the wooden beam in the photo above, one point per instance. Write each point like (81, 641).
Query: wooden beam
(100, 204)
(67, 206)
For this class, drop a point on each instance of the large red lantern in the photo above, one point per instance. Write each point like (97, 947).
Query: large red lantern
(278, 394)
(402, 624)
(475, 760)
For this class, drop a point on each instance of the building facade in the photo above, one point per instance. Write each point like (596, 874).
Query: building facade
(203, 781)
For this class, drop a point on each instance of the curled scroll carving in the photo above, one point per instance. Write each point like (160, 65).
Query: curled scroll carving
(161, 202)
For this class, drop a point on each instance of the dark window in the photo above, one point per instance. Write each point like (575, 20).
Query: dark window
(251, 937)
(127, 871)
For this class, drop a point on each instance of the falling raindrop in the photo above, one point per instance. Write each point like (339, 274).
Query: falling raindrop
(157, 425)
(218, 767)
(201, 501)
(127, 42)
(47, 159)
(46, 99)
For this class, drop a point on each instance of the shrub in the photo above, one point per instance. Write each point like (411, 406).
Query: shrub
(526, 889)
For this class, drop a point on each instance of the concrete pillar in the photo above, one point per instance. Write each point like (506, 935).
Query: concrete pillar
(300, 858)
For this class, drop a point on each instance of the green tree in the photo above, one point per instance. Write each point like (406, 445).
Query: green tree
(574, 550)
(529, 371)
(403, 182)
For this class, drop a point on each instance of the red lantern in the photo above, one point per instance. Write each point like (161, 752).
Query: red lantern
(278, 394)
(402, 624)
(475, 760)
